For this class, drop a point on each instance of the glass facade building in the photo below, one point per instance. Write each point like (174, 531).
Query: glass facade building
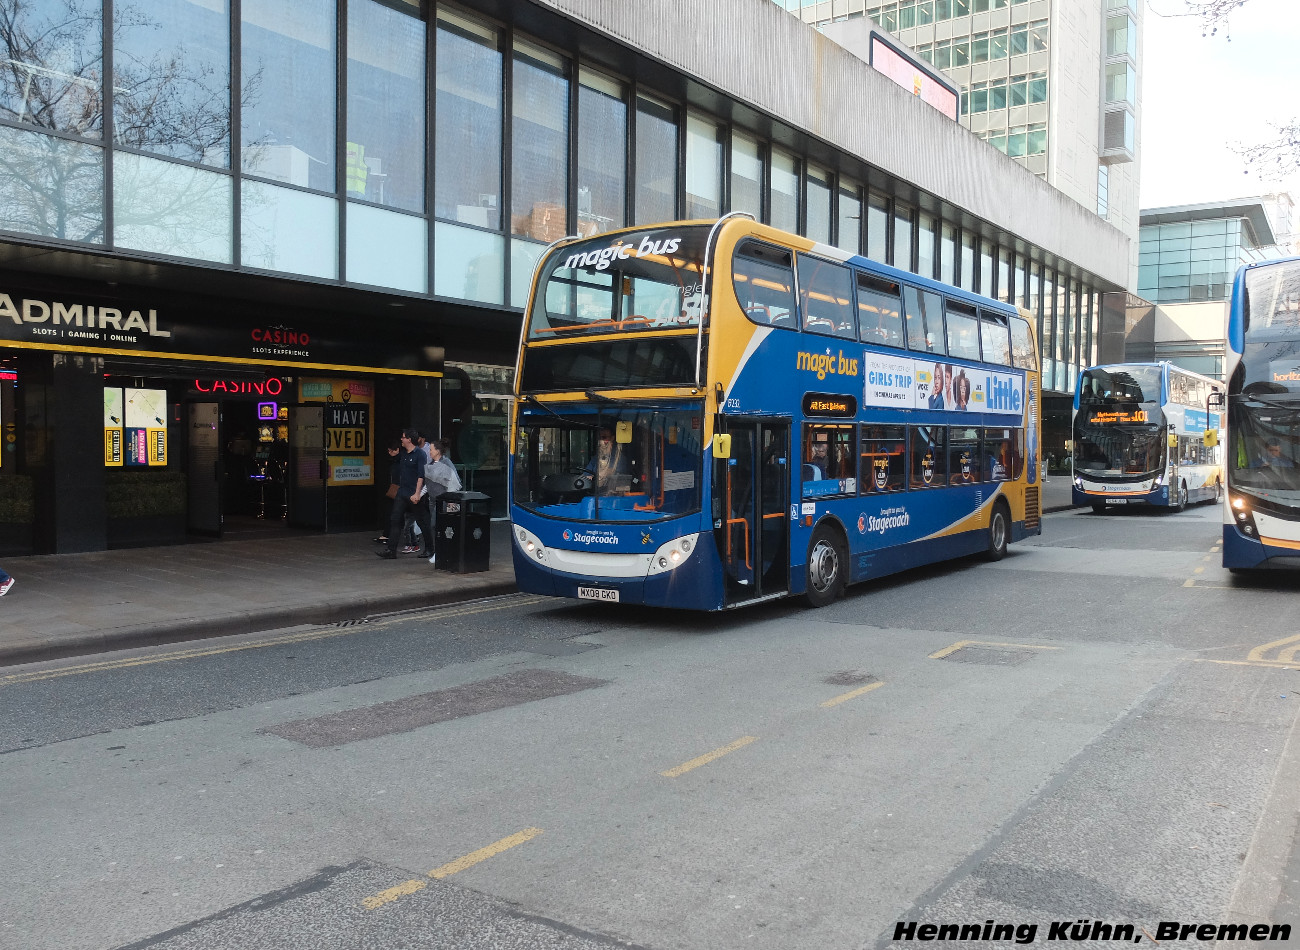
(385, 171)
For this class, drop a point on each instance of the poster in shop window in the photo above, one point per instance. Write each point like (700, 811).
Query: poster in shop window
(348, 424)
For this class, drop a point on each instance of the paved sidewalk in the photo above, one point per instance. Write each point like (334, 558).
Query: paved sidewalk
(73, 604)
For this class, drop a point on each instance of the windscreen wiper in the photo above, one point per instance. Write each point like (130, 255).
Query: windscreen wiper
(534, 401)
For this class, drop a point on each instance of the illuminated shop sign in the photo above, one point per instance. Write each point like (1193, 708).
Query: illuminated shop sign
(232, 387)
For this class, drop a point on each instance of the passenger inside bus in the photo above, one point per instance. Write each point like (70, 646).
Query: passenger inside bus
(610, 466)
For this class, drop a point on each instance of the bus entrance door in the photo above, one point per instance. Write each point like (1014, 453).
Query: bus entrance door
(753, 485)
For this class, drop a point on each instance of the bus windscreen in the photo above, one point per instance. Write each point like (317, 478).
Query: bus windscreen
(635, 281)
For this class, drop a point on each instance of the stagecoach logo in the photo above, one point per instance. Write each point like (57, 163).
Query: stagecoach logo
(591, 537)
(645, 537)
(887, 520)
(827, 364)
(602, 257)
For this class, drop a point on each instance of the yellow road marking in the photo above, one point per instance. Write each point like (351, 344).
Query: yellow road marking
(288, 638)
(1190, 582)
(1199, 570)
(708, 757)
(1258, 653)
(1283, 655)
(850, 695)
(948, 651)
(482, 854)
(1207, 558)
(392, 894)
(1268, 664)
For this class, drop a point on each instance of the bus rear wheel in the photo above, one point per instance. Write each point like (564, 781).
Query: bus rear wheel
(827, 567)
(999, 532)
(1218, 491)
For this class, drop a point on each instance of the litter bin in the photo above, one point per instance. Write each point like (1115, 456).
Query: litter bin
(462, 534)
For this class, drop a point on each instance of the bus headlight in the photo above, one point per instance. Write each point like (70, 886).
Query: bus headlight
(1159, 479)
(1078, 483)
(530, 544)
(1244, 519)
(672, 554)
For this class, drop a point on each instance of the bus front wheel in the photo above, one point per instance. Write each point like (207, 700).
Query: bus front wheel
(827, 567)
(999, 532)
(1182, 497)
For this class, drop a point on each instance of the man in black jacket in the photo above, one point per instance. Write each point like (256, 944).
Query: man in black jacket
(410, 492)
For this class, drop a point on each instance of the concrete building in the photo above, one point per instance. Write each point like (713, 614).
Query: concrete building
(1055, 85)
(285, 230)
(1189, 257)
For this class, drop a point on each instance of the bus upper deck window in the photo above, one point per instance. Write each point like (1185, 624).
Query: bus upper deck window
(826, 296)
(763, 277)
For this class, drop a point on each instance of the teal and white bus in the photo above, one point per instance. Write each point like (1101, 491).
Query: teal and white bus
(1143, 435)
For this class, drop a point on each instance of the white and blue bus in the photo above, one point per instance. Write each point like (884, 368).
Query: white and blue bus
(1262, 516)
(1139, 437)
(712, 414)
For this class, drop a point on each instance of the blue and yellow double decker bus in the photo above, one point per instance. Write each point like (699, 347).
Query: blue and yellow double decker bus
(712, 414)
(1262, 516)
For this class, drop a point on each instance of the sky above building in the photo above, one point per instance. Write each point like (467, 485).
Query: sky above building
(1202, 95)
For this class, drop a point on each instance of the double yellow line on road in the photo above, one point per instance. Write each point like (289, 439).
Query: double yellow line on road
(323, 633)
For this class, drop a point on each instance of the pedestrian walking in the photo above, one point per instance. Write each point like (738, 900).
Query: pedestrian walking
(6, 582)
(410, 494)
(439, 477)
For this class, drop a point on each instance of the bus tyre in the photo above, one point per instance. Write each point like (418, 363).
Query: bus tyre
(999, 533)
(1182, 497)
(1218, 491)
(828, 563)
(1098, 509)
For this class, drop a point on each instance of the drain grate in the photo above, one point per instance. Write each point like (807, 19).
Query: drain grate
(850, 678)
(989, 656)
(351, 623)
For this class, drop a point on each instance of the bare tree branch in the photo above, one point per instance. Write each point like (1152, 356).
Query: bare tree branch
(1277, 158)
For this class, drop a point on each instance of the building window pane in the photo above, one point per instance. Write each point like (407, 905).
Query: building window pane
(54, 65)
(523, 258)
(903, 237)
(468, 264)
(172, 209)
(850, 217)
(602, 154)
(385, 154)
(288, 91)
(746, 175)
(469, 110)
(656, 162)
(387, 249)
(51, 187)
(290, 231)
(986, 269)
(171, 79)
(967, 261)
(819, 205)
(878, 227)
(1004, 277)
(948, 254)
(785, 191)
(540, 145)
(925, 245)
(703, 168)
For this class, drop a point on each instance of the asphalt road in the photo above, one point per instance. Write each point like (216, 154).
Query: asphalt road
(1094, 733)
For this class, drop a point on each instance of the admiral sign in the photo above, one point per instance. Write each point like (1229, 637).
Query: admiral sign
(202, 327)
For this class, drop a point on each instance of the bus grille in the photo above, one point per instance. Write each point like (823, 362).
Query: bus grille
(1032, 512)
